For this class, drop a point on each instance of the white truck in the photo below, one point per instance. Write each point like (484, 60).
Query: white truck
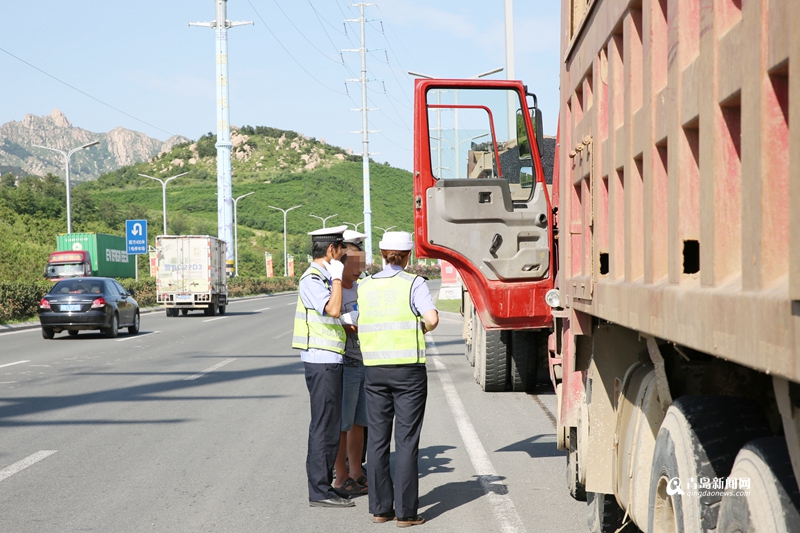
(190, 274)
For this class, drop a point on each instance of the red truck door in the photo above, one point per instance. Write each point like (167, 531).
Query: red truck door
(480, 196)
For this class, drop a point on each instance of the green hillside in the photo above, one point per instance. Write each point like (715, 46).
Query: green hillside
(282, 168)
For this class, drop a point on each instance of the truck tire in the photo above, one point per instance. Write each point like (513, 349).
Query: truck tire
(113, 329)
(184, 312)
(211, 310)
(169, 312)
(48, 333)
(495, 370)
(475, 330)
(772, 499)
(606, 516)
(222, 309)
(699, 438)
(468, 332)
(523, 361)
(72, 332)
(479, 351)
(576, 489)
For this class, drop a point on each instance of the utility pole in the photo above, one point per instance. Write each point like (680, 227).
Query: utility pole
(365, 131)
(224, 180)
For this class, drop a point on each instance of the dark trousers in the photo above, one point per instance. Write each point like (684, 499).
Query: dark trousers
(395, 393)
(324, 382)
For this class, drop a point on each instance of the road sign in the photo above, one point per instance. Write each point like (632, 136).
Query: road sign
(136, 236)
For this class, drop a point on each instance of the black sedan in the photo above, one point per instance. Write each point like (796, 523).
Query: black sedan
(79, 304)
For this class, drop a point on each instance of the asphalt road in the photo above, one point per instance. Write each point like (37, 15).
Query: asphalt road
(200, 424)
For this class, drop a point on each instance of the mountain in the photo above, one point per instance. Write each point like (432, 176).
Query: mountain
(119, 147)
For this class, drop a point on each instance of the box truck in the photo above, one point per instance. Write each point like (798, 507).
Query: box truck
(89, 254)
(190, 274)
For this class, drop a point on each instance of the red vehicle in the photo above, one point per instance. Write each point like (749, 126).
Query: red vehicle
(660, 280)
(71, 264)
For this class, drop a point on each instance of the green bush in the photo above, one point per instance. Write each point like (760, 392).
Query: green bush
(20, 300)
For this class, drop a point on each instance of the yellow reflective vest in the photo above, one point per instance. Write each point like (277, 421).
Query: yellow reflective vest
(388, 330)
(313, 330)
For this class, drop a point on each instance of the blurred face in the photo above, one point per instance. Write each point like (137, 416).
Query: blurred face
(355, 265)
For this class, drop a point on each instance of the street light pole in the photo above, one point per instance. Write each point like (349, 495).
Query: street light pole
(67, 156)
(324, 219)
(355, 226)
(284, 211)
(236, 232)
(164, 193)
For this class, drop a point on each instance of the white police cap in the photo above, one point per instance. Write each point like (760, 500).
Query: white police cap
(355, 237)
(332, 235)
(396, 240)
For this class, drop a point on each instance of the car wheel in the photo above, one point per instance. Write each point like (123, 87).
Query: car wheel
(48, 333)
(134, 329)
(72, 332)
(113, 330)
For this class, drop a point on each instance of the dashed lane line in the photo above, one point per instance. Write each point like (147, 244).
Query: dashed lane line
(132, 337)
(16, 363)
(259, 310)
(19, 466)
(213, 319)
(282, 334)
(210, 369)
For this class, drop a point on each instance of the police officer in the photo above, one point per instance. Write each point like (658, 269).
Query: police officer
(320, 337)
(395, 311)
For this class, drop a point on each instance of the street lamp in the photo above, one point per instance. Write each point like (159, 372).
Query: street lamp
(355, 226)
(164, 193)
(324, 219)
(285, 265)
(236, 233)
(386, 229)
(67, 156)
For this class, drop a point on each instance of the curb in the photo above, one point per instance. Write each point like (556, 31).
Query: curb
(6, 328)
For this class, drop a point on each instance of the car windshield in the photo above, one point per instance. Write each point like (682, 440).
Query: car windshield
(77, 286)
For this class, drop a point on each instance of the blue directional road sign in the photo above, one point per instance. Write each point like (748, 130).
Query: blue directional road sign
(136, 236)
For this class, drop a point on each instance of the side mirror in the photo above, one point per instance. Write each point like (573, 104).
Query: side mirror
(522, 137)
(131, 292)
(536, 118)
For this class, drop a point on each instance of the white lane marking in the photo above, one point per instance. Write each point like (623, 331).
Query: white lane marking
(213, 319)
(132, 337)
(503, 508)
(20, 331)
(12, 364)
(9, 471)
(293, 303)
(282, 334)
(259, 310)
(210, 369)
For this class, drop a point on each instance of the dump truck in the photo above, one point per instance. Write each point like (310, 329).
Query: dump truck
(190, 274)
(89, 254)
(658, 282)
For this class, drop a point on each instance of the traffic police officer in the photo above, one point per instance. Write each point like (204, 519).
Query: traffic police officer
(320, 337)
(395, 311)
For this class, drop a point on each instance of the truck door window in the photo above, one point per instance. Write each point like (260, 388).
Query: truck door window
(480, 134)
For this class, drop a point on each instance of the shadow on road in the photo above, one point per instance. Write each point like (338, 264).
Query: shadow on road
(431, 463)
(149, 392)
(451, 496)
(535, 446)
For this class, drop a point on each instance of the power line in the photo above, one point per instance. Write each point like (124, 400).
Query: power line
(321, 20)
(288, 52)
(301, 33)
(86, 94)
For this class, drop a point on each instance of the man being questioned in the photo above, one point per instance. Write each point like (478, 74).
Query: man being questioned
(320, 337)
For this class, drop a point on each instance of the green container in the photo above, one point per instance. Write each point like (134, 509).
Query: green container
(109, 256)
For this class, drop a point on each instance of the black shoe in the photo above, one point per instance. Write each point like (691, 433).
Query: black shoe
(410, 521)
(341, 493)
(333, 501)
(382, 518)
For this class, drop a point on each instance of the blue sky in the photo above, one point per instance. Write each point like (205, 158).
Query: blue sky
(285, 71)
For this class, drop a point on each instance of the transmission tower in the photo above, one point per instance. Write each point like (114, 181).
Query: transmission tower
(224, 186)
(365, 131)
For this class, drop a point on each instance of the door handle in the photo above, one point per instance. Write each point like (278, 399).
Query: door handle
(497, 242)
